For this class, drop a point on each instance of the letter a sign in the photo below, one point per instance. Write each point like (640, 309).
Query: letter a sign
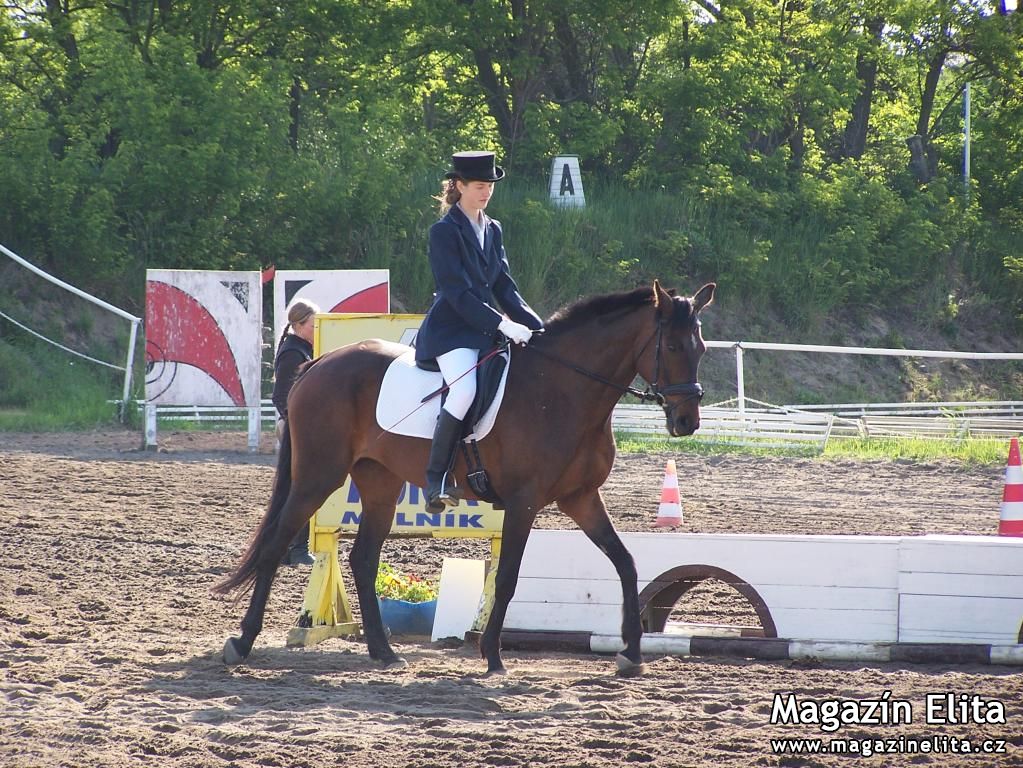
(567, 182)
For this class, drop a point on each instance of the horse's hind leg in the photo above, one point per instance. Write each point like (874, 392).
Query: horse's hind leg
(378, 490)
(588, 511)
(297, 509)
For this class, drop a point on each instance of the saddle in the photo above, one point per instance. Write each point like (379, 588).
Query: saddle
(404, 406)
(489, 377)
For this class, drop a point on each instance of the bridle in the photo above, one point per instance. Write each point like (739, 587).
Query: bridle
(654, 392)
(688, 390)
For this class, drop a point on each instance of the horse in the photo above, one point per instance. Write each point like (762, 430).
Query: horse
(552, 442)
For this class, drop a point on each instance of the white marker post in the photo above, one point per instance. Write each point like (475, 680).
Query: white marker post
(567, 182)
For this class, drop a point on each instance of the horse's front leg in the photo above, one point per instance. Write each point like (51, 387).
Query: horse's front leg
(587, 509)
(518, 520)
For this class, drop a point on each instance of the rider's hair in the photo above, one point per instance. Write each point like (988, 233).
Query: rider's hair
(299, 311)
(449, 195)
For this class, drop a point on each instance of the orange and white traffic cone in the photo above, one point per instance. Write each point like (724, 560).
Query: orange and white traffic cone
(669, 513)
(1011, 522)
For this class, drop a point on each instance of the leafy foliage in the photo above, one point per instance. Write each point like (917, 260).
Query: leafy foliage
(756, 143)
(394, 584)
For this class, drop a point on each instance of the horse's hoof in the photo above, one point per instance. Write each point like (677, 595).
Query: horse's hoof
(496, 672)
(232, 655)
(627, 667)
(395, 664)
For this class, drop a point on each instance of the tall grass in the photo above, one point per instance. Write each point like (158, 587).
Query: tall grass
(809, 252)
(43, 389)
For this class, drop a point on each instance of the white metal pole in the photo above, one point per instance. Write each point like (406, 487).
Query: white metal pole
(254, 427)
(67, 287)
(128, 366)
(740, 383)
(966, 138)
(150, 411)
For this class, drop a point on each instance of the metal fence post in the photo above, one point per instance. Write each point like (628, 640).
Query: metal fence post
(740, 383)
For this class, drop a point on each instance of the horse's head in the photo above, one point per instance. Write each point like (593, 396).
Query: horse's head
(672, 364)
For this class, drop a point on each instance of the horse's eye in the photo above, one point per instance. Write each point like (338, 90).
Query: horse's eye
(672, 348)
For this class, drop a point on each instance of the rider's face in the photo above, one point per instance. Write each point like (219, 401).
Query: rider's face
(475, 194)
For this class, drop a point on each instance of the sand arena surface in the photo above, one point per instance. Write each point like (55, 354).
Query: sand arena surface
(110, 639)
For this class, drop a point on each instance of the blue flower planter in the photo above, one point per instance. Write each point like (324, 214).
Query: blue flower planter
(405, 618)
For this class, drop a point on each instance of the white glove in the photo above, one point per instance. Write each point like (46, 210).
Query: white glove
(517, 332)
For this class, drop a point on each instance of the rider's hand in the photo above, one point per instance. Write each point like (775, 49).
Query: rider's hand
(517, 332)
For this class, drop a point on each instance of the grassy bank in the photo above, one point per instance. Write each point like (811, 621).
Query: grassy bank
(43, 389)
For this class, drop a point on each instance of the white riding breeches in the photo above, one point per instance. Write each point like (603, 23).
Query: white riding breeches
(453, 365)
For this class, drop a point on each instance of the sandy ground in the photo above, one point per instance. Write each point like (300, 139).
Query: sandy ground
(110, 639)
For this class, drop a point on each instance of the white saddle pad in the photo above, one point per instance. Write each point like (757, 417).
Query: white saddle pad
(400, 408)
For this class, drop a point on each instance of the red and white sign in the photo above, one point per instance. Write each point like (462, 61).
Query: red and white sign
(203, 337)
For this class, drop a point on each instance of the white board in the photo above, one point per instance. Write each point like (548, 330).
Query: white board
(943, 589)
(949, 619)
(458, 601)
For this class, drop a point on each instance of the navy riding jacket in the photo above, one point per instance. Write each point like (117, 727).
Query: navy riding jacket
(470, 282)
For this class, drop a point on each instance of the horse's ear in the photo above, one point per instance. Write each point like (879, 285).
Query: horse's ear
(703, 297)
(662, 299)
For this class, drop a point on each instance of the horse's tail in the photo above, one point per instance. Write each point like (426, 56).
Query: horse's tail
(245, 572)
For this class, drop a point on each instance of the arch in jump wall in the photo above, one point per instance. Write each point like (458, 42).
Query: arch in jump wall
(659, 596)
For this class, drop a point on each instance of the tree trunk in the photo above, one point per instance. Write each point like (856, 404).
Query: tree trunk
(60, 22)
(576, 86)
(923, 158)
(934, 67)
(497, 99)
(295, 109)
(854, 139)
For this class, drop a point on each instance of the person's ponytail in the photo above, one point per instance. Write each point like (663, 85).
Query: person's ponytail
(448, 196)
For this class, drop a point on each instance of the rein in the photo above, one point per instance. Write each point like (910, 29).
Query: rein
(645, 395)
(653, 392)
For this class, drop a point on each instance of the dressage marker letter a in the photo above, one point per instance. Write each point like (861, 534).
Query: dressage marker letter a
(566, 189)
(566, 181)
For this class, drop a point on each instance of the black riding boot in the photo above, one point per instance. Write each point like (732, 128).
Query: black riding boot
(442, 454)
(298, 551)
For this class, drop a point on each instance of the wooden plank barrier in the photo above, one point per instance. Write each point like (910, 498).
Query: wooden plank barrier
(925, 598)
(960, 589)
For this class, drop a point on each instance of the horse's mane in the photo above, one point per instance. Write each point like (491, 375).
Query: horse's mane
(601, 306)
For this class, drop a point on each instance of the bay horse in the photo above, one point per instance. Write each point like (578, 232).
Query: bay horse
(551, 443)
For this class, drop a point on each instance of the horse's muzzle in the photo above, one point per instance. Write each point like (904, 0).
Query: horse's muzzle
(682, 426)
(683, 416)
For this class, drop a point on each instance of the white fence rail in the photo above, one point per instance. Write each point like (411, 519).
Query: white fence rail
(762, 427)
(212, 413)
(743, 420)
(799, 427)
(740, 346)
